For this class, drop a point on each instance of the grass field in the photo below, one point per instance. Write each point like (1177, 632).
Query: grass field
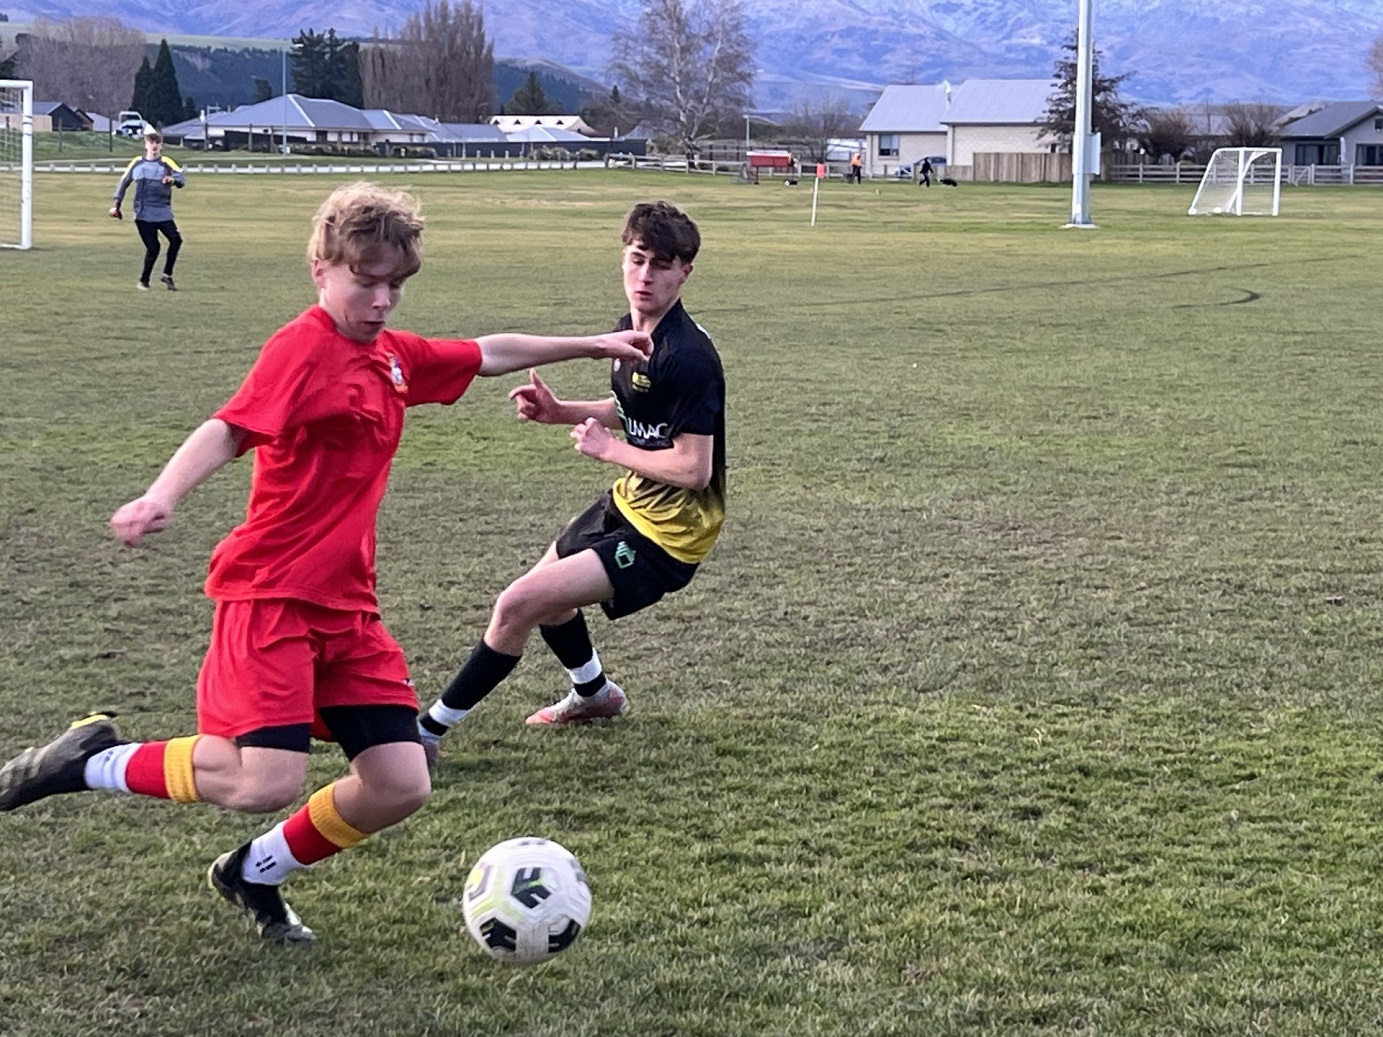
(1032, 689)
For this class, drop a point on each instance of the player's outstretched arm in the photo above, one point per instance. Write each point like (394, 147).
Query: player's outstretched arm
(535, 402)
(212, 445)
(502, 354)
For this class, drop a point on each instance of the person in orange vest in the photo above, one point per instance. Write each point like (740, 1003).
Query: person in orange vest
(856, 167)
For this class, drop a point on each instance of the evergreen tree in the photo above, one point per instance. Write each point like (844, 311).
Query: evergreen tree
(165, 98)
(139, 100)
(7, 66)
(189, 108)
(1110, 115)
(263, 90)
(529, 99)
(308, 60)
(350, 87)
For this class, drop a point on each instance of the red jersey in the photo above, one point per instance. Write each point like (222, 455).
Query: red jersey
(324, 415)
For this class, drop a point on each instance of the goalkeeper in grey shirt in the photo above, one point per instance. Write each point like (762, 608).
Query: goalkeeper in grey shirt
(154, 176)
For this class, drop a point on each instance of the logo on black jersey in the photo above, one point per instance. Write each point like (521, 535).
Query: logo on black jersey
(640, 381)
(624, 555)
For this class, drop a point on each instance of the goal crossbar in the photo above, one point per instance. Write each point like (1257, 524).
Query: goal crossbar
(16, 163)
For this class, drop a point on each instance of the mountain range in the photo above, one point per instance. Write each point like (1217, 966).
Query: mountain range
(1177, 51)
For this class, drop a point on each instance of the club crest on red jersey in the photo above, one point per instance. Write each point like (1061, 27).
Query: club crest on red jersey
(396, 374)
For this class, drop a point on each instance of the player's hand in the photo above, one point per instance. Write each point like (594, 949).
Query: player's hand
(634, 346)
(115, 213)
(535, 401)
(593, 439)
(140, 516)
(167, 180)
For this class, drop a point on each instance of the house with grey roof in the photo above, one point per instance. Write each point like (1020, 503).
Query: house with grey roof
(980, 116)
(1348, 133)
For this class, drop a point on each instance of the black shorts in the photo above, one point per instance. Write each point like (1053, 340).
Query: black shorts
(640, 571)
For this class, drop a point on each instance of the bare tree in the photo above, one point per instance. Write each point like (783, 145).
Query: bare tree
(441, 65)
(815, 124)
(88, 63)
(1167, 133)
(1251, 125)
(1375, 63)
(687, 67)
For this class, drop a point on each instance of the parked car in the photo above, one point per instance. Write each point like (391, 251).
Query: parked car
(129, 124)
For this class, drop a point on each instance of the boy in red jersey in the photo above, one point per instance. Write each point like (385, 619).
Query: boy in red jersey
(297, 646)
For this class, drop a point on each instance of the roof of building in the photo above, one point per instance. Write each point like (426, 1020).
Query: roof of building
(932, 107)
(546, 134)
(999, 102)
(913, 108)
(514, 123)
(1332, 120)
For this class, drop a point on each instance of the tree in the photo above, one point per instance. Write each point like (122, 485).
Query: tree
(86, 62)
(308, 61)
(164, 100)
(139, 99)
(689, 65)
(814, 124)
(9, 66)
(529, 99)
(1110, 115)
(349, 87)
(264, 90)
(1167, 133)
(604, 114)
(442, 65)
(1375, 63)
(1251, 125)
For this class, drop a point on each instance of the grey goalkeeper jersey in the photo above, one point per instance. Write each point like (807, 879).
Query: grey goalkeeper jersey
(153, 199)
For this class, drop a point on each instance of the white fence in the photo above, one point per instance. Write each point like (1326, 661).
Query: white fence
(1190, 173)
(332, 168)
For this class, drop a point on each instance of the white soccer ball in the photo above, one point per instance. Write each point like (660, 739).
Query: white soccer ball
(526, 900)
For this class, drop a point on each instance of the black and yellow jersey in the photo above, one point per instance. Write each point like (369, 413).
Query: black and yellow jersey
(678, 390)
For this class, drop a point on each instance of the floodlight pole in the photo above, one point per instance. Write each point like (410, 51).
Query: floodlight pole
(1080, 139)
(283, 100)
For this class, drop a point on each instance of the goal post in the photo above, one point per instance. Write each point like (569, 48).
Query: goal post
(1240, 182)
(16, 163)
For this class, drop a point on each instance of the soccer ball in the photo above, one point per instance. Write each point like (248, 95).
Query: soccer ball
(526, 900)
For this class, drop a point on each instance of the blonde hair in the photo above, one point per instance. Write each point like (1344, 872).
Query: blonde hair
(358, 222)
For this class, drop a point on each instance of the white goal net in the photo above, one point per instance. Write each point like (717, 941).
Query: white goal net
(1240, 182)
(16, 163)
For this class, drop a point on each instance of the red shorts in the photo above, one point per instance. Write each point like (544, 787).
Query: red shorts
(275, 662)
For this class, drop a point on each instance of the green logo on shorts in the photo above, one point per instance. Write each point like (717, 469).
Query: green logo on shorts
(624, 555)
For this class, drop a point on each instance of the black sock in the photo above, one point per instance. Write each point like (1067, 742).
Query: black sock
(571, 643)
(480, 675)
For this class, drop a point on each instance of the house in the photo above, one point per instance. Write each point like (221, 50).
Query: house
(905, 126)
(61, 117)
(1347, 133)
(287, 119)
(980, 116)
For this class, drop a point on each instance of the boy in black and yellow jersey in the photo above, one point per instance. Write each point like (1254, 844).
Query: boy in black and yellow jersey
(646, 536)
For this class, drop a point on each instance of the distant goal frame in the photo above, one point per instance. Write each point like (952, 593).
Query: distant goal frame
(1237, 182)
(17, 218)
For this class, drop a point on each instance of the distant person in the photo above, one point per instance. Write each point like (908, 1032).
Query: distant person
(154, 176)
(298, 649)
(856, 168)
(926, 173)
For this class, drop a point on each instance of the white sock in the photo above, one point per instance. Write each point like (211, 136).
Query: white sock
(589, 672)
(270, 861)
(444, 715)
(106, 770)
